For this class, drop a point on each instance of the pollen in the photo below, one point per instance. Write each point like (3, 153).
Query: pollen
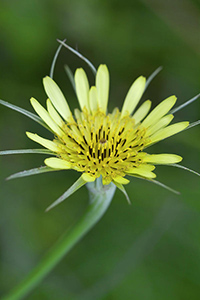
(100, 144)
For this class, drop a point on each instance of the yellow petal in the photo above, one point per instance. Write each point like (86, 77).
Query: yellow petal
(82, 88)
(142, 111)
(46, 117)
(133, 97)
(93, 99)
(163, 122)
(53, 113)
(57, 98)
(121, 180)
(163, 159)
(167, 131)
(88, 178)
(44, 142)
(57, 163)
(159, 111)
(102, 85)
(143, 170)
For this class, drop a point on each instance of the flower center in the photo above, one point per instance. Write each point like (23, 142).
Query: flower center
(100, 144)
(103, 141)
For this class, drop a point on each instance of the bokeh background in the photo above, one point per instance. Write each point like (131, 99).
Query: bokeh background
(151, 249)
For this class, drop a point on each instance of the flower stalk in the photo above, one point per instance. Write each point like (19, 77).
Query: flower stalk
(100, 199)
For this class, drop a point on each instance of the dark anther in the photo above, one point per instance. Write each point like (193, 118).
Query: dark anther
(104, 153)
(121, 131)
(123, 143)
(102, 141)
(85, 140)
(100, 131)
(73, 140)
(90, 151)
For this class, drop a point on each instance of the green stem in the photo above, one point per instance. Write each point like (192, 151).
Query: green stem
(99, 202)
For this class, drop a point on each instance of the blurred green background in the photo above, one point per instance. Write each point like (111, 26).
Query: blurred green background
(151, 249)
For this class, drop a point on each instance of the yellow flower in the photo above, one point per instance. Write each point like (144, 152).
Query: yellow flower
(98, 143)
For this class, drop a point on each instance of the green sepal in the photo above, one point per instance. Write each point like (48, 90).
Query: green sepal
(192, 124)
(152, 76)
(163, 185)
(122, 189)
(55, 59)
(76, 186)
(70, 76)
(160, 184)
(30, 172)
(25, 112)
(79, 55)
(185, 168)
(184, 104)
(27, 151)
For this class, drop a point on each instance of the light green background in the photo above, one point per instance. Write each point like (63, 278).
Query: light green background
(151, 249)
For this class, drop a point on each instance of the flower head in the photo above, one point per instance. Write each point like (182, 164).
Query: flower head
(97, 143)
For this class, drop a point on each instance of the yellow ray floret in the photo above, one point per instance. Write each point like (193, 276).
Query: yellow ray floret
(97, 143)
(54, 115)
(143, 170)
(57, 98)
(57, 163)
(168, 131)
(44, 142)
(159, 111)
(133, 97)
(142, 111)
(102, 85)
(46, 117)
(93, 99)
(163, 122)
(82, 88)
(163, 159)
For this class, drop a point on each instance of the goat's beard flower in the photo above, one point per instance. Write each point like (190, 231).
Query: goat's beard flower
(97, 143)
